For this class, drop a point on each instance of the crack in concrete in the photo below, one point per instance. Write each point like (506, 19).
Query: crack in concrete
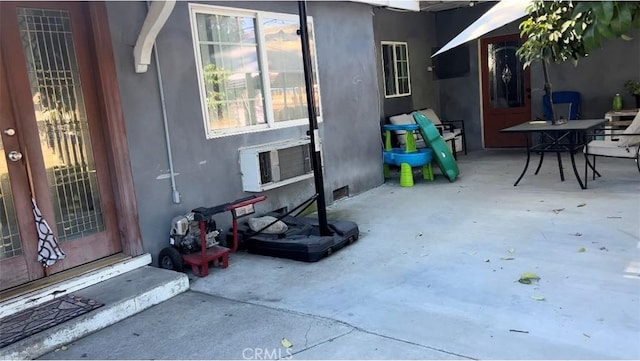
(306, 335)
(343, 323)
(325, 341)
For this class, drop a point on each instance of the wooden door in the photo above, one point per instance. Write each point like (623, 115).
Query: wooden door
(506, 90)
(50, 116)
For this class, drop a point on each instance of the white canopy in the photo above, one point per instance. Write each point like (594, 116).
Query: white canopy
(501, 14)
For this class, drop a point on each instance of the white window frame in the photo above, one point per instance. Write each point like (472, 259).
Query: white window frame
(271, 124)
(395, 67)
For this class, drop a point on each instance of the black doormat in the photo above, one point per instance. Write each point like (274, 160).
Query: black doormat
(33, 320)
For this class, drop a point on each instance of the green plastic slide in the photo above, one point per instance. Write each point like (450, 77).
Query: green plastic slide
(441, 152)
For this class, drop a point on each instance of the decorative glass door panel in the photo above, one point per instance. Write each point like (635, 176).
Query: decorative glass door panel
(506, 77)
(62, 121)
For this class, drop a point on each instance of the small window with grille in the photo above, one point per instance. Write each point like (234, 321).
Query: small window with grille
(395, 65)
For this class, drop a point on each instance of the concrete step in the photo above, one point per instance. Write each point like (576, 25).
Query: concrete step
(122, 295)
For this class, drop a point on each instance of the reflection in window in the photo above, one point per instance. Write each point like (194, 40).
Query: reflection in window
(286, 73)
(230, 70)
(251, 69)
(395, 65)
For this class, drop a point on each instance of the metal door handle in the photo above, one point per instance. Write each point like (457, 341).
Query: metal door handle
(14, 156)
(10, 132)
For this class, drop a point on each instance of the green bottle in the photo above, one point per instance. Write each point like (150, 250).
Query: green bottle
(617, 102)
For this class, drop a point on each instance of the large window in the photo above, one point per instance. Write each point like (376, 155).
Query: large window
(250, 69)
(395, 64)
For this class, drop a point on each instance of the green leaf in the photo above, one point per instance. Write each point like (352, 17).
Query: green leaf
(528, 278)
(625, 17)
(616, 26)
(597, 38)
(537, 298)
(605, 30)
(285, 343)
(589, 38)
(582, 7)
(603, 11)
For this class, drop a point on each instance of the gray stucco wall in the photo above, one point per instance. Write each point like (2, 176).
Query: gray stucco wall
(419, 32)
(597, 77)
(209, 171)
(460, 96)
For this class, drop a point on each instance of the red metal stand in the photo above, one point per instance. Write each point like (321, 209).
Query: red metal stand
(216, 253)
(199, 262)
(234, 208)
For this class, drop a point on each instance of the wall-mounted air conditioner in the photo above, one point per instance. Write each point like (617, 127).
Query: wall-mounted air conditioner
(273, 165)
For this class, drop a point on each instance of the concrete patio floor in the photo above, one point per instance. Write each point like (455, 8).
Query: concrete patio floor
(433, 276)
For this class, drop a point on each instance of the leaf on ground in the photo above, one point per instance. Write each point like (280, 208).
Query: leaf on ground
(512, 250)
(582, 249)
(419, 234)
(286, 343)
(537, 298)
(586, 335)
(577, 234)
(556, 211)
(64, 348)
(603, 249)
(507, 258)
(581, 205)
(527, 278)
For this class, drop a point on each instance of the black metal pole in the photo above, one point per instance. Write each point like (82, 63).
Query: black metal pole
(316, 159)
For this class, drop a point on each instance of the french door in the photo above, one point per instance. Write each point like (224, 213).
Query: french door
(506, 90)
(51, 141)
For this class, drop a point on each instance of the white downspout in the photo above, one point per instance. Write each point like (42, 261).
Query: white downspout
(175, 195)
